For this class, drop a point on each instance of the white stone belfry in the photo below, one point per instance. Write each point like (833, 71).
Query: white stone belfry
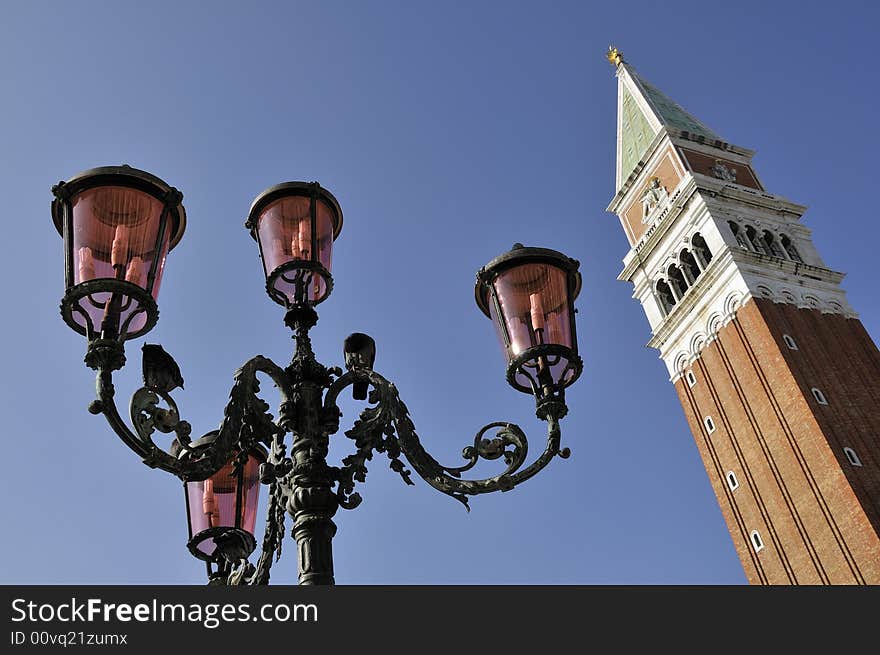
(713, 238)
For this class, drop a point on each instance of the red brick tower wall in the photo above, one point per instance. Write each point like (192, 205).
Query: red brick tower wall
(817, 514)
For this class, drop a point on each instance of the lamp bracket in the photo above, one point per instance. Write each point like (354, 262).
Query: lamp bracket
(386, 427)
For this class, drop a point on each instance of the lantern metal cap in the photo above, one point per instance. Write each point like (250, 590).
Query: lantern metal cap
(127, 176)
(285, 189)
(516, 256)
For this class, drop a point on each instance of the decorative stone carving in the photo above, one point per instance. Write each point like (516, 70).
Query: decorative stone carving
(723, 172)
(654, 195)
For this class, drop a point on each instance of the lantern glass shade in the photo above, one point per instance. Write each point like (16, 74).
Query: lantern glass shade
(223, 503)
(115, 236)
(285, 233)
(295, 224)
(534, 303)
(118, 224)
(529, 293)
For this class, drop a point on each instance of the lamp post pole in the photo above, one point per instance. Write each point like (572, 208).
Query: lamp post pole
(118, 225)
(312, 504)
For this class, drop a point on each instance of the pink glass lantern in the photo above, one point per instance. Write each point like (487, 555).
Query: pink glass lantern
(118, 224)
(295, 224)
(222, 510)
(529, 294)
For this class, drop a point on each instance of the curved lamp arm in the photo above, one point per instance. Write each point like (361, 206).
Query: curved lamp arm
(246, 418)
(387, 427)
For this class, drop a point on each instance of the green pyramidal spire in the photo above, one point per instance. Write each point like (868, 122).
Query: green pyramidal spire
(636, 133)
(672, 114)
(643, 111)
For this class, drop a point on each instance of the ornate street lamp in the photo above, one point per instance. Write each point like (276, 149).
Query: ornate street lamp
(118, 225)
(295, 224)
(222, 510)
(529, 293)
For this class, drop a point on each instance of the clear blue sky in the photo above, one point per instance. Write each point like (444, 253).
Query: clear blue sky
(447, 131)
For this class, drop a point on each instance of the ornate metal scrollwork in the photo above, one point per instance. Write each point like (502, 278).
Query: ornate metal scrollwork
(386, 427)
(531, 288)
(246, 420)
(301, 483)
(371, 432)
(147, 416)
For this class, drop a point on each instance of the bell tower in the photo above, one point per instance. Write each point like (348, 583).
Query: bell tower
(778, 379)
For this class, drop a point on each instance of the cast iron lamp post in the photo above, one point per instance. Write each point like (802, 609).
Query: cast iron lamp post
(118, 225)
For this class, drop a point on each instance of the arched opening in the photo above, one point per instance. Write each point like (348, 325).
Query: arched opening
(689, 265)
(701, 250)
(851, 456)
(732, 482)
(757, 542)
(792, 252)
(739, 235)
(772, 245)
(664, 294)
(677, 281)
(756, 240)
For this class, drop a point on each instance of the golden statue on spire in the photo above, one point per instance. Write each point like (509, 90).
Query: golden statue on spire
(614, 55)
